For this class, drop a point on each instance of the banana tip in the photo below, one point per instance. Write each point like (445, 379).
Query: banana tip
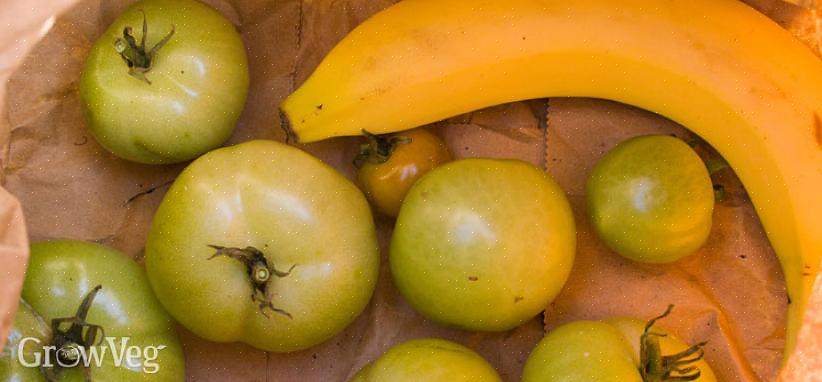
(285, 124)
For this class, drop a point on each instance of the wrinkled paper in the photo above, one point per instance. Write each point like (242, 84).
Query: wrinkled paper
(730, 293)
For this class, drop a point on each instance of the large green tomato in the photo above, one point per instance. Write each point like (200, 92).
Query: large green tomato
(428, 360)
(169, 104)
(140, 342)
(650, 199)
(595, 351)
(264, 244)
(483, 244)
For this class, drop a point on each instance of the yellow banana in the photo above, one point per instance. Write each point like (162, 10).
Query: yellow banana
(716, 66)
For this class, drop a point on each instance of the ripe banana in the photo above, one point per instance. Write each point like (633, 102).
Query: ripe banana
(716, 66)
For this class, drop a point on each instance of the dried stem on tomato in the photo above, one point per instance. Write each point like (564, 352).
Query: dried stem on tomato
(68, 344)
(656, 367)
(139, 60)
(378, 148)
(259, 273)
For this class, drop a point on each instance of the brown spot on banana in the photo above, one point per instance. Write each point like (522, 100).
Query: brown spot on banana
(817, 124)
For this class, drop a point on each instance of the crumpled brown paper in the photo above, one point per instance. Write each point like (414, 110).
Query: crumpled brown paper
(730, 293)
(21, 31)
(14, 250)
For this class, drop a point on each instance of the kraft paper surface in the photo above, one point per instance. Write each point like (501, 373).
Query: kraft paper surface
(730, 293)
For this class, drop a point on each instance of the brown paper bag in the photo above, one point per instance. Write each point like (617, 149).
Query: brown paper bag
(69, 187)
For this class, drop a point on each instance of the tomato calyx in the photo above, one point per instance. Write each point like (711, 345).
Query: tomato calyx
(656, 367)
(378, 148)
(259, 273)
(139, 60)
(67, 345)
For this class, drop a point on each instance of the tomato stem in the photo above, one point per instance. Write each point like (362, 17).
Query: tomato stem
(139, 60)
(656, 367)
(378, 148)
(80, 334)
(259, 273)
(69, 353)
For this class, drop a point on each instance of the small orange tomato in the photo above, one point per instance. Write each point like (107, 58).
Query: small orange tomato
(387, 166)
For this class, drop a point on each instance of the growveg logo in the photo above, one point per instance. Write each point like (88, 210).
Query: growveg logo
(74, 342)
(112, 350)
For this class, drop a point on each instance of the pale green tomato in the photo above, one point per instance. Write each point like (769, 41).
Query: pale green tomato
(651, 200)
(428, 360)
(313, 261)
(588, 351)
(60, 275)
(483, 244)
(197, 90)
(595, 351)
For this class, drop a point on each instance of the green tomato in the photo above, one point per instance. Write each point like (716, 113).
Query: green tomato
(429, 360)
(582, 351)
(264, 244)
(650, 199)
(61, 276)
(595, 351)
(483, 244)
(174, 104)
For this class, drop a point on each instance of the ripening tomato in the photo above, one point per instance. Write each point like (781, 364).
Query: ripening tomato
(265, 244)
(165, 82)
(429, 360)
(85, 299)
(650, 199)
(483, 244)
(388, 166)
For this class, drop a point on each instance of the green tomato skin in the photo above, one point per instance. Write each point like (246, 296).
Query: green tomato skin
(59, 276)
(588, 351)
(289, 205)
(199, 82)
(651, 200)
(483, 244)
(26, 324)
(429, 360)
